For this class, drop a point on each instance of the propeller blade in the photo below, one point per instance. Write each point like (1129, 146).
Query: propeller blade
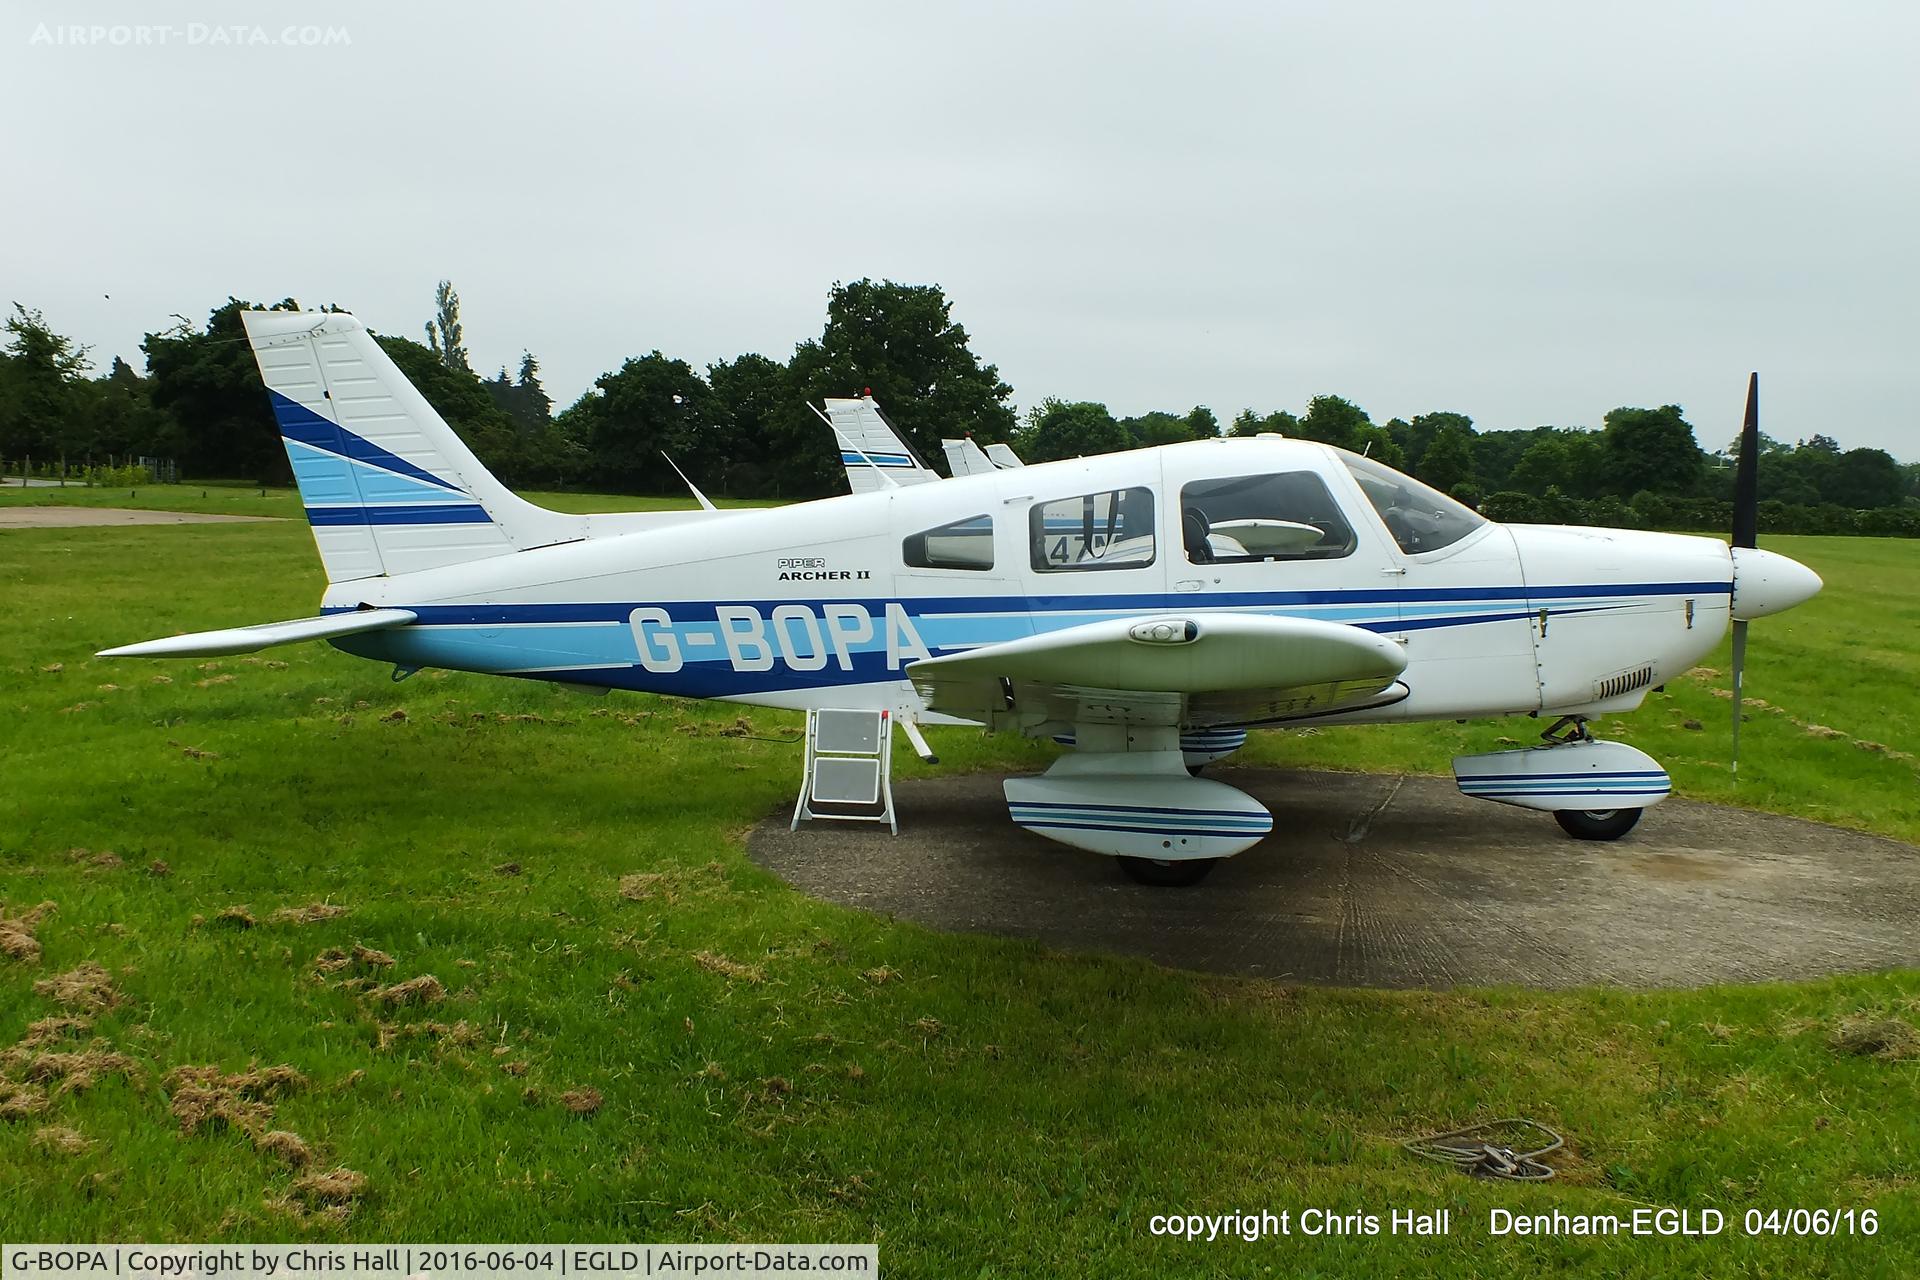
(1746, 533)
(1746, 479)
(1739, 670)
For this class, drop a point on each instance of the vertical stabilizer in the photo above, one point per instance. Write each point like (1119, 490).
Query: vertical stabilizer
(388, 486)
(965, 459)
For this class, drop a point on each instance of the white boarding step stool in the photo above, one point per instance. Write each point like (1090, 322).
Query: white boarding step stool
(849, 769)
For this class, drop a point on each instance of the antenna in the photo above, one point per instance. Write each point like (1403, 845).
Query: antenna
(699, 497)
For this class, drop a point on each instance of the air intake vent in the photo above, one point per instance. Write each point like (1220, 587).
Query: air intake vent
(1625, 682)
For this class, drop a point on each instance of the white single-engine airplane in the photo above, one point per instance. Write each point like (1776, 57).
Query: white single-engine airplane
(1148, 607)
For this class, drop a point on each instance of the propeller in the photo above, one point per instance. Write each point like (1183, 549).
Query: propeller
(1746, 533)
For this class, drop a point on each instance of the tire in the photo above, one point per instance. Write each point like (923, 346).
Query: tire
(1172, 874)
(1596, 824)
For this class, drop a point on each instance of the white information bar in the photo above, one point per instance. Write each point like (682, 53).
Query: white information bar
(455, 1261)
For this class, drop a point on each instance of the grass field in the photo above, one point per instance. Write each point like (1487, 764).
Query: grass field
(633, 1033)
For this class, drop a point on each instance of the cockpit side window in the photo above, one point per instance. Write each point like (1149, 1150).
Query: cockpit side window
(963, 544)
(1419, 517)
(1109, 530)
(1288, 515)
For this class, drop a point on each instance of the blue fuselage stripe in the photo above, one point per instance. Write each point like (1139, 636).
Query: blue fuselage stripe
(593, 642)
(477, 614)
(1148, 831)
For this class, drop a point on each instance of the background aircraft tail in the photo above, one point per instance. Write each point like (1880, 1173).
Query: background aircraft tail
(874, 455)
(388, 486)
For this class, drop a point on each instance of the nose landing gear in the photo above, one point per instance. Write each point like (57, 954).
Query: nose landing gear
(1596, 824)
(1595, 790)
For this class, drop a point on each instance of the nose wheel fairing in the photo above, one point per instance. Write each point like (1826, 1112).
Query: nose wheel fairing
(1585, 775)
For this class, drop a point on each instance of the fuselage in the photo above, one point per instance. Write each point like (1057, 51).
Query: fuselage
(828, 603)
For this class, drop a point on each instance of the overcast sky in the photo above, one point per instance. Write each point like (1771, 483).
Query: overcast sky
(1529, 213)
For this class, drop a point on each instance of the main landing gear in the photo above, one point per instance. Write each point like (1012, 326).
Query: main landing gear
(1124, 791)
(1163, 874)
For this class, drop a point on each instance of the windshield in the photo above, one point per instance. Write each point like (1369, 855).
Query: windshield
(1420, 517)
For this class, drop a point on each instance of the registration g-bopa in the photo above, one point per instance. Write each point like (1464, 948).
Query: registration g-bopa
(1149, 608)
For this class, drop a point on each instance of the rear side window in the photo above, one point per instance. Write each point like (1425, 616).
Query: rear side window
(963, 544)
(1108, 530)
(1287, 515)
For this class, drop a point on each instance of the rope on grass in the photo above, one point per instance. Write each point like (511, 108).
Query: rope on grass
(1474, 1150)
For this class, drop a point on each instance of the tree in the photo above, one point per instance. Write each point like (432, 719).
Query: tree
(207, 382)
(1496, 453)
(1071, 429)
(40, 375)
(901, 342)
(1378, 443)
(650, 405)
(50, 411)
(1160, 427)
(444, 334)
(1279, 422)
(1448, 461)
(1332, 420)
(117, 418)
(1544, 465)
(1867, 478)
(1651, 449)
(755, 397)
(524, 401)
(1425, 427)
(537, 404)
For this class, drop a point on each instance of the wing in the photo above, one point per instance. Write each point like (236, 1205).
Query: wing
(207, 644)
(1191, 670)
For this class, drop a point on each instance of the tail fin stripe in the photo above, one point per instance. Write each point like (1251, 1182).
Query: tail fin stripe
(303, 426)
(447, 513)
(327, 479)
